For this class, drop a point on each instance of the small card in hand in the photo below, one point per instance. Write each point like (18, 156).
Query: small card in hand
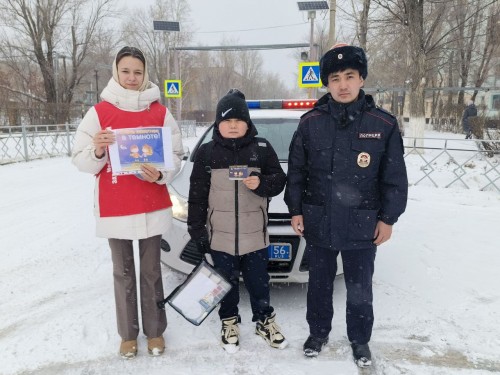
(238, 172)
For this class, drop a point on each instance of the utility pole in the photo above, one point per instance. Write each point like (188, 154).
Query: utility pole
(311, 15)
(56, 80)
(312, 56)
(96, 87)
(331, 34)
(177, 76)
(166, 27)
(311, 7)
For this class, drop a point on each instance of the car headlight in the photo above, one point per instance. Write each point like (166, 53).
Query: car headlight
(179, 205)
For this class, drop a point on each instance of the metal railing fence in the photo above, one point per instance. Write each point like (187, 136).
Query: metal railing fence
(188, 128)
(438, 162)
(29, 142)
(442, 162)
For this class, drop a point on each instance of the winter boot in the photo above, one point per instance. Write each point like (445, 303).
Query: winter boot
(270, 332)
(128, 349)
(229, 334)
(361, 355)
(313, 345)
(156, 345)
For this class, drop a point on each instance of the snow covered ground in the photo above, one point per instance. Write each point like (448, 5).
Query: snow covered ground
(437, 301)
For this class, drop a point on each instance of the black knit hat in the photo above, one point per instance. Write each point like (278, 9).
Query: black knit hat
(342, 57)
(232, 105)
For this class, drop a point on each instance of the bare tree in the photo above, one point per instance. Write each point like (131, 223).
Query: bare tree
(202, 89)
(363, 24)
(422, 23)
(206, 75)
(227, 75)
(56, 35)
(97, 68)
(165, 61)
(490, 46)
(273, 88)
(21, 94)
(449, 100)
(466, 29)
(250, 66)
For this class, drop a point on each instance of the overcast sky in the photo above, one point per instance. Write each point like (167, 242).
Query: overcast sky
(251, 22)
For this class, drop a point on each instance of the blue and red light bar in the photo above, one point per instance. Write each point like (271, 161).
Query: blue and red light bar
(281, 104)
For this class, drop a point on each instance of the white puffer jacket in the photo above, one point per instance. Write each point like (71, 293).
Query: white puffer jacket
(130, 227)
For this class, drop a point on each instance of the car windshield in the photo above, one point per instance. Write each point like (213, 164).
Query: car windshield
(278, 131)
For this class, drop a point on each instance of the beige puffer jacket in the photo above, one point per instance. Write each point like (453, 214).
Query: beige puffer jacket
(221, 221)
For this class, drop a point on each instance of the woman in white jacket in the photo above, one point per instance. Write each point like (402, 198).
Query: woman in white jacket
(130, 207)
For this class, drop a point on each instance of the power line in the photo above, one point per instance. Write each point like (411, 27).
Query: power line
(255, 29)
(241, 47)
(203, 32)
(444, 88)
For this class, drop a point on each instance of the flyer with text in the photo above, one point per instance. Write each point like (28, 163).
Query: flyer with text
(137, 146)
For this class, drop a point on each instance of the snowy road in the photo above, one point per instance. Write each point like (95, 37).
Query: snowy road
(437, 301)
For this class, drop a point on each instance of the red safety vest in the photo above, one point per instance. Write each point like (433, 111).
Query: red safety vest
(129, 195)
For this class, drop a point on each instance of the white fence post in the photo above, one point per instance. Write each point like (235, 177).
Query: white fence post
(25, 143)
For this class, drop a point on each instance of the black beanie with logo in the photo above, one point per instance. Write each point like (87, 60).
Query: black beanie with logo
(232, 105)
(342, 57)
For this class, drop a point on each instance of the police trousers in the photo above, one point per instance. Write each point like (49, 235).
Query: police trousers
(358, 273)
(253, 268)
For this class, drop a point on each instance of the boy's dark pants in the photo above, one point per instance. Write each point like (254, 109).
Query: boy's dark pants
(253, 267)
(358, 273)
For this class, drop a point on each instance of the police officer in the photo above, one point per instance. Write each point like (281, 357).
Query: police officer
(346, 187)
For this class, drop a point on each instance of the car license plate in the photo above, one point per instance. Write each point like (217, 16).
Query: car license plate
(280, 251)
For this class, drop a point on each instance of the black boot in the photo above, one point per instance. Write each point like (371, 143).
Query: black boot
(361, 354)
(313, 345)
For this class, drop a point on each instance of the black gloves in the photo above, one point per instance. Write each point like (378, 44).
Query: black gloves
(203, 245)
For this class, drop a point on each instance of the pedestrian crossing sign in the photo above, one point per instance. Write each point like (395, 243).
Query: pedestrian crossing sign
(173, 88)
(309, 74)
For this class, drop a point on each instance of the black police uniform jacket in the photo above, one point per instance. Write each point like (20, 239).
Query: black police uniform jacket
(346, 171)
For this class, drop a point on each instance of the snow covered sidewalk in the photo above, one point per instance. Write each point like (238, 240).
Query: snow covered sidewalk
(437, 301)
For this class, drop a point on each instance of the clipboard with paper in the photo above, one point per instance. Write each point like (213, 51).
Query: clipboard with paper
(199, 294)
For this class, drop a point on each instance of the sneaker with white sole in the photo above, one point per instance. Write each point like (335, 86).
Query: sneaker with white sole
(361, 354)
(270, 331)
(230, 334)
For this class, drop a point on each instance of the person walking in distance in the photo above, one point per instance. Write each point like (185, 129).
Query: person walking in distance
(469, 112)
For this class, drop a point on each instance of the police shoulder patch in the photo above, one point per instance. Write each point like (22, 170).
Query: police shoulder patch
(386, 112)
(307, 113)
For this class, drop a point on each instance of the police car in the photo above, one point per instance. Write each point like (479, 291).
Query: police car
(275, 120)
